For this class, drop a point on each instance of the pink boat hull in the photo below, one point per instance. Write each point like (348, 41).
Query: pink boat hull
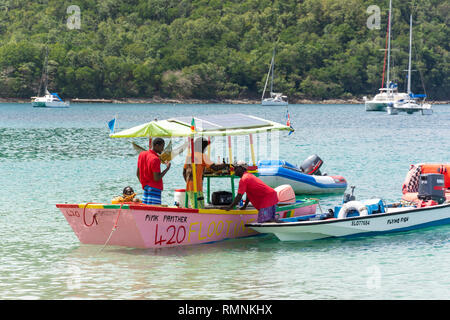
(148, 226)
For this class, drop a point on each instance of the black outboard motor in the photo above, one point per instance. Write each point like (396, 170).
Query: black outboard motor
(312, 165)
(431, 187)
(349, 197)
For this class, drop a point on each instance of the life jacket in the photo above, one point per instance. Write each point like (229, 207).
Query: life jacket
(124, 198)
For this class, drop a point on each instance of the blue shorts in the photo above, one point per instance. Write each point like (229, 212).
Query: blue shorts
(267, 214)
(151, 195)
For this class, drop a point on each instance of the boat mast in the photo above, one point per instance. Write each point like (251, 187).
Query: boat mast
(267, 78)
(44, 78)
(273, 64)
(389, 44)
(409, 62)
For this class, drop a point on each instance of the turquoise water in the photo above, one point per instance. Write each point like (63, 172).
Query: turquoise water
(57, 156)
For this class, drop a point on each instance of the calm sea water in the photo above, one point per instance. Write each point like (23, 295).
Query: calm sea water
(50, 156)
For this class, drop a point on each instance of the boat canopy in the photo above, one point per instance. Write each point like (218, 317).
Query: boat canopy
(414, 95)
(208, 125)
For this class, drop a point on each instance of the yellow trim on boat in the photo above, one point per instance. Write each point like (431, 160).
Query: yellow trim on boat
(221, 211)
(91, 206)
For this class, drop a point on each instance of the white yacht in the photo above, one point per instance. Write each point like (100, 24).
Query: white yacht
(49, 100)
(410, 104)
(388, 94)
(275, 99)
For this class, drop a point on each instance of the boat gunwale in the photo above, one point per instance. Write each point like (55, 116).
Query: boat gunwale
(144, 207)
(335, 220)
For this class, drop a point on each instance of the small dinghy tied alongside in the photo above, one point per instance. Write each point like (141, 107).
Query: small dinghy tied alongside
(305, 179)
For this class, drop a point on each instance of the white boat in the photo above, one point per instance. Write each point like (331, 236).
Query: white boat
(411, 103)
(429, 205)
(388, 94)
(382, 100)
(275, 99)
(49, 100)
(410, 106)
(393, 219)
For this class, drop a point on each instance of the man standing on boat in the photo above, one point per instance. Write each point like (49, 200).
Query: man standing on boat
(262, 197)
(202, 161)
(149, 172)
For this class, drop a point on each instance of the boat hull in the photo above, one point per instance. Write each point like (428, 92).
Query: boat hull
(56, 104)
(401, 219)
(274, 103)
(149, 226)
(411, 107)
(376, 106)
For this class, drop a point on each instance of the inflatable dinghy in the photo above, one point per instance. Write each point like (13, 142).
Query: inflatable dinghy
(305, 179)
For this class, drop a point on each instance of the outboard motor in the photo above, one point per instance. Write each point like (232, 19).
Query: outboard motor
(312, 165)
(348, 197)
(431, 187)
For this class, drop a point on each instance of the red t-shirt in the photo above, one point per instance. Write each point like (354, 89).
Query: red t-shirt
(149, 162)
(258, 193)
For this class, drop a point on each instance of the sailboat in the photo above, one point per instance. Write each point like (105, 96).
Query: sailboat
(388, 95)
(275, 99)
(410, 104)
(49, 100)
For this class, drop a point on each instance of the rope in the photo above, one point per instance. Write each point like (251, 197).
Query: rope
(318, 203)
(94, 217)
(113, 229)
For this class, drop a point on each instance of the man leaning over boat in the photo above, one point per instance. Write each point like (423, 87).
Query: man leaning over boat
(149, 172)
(262, 197)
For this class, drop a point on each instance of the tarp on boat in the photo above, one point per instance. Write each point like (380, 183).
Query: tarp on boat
(212, 125)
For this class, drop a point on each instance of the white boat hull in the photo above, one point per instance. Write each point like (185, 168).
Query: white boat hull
(400, 219)
(391, 110)
(50, 104)
(376, 106)
(411, 107)
(266, 102)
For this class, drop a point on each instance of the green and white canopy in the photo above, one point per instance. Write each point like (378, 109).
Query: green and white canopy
(210, 125)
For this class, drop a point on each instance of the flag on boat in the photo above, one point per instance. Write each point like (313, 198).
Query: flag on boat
(112, 125)
(193, 125)
(288, 121)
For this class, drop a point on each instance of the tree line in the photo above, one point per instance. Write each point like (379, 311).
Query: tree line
(219, 49)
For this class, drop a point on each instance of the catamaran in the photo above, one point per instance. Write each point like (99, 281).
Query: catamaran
(156, 226)
(410, 104)
(49, 100)
(388, 95)
(275, 99)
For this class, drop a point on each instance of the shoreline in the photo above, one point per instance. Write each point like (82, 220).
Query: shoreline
(158, 100)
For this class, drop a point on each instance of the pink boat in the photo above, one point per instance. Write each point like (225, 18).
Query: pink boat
(151, 226)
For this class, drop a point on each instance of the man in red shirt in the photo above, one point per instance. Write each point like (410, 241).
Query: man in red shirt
(262, 197)
(149, 172)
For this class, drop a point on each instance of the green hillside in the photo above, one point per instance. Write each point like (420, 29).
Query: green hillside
(217, 49)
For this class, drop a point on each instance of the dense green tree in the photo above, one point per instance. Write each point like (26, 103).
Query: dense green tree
(219, 49)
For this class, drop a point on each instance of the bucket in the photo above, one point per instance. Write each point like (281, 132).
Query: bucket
(179, 197)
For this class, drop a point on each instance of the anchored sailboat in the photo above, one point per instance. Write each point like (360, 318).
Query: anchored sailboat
(49, 100)
(275, 99)
(410, 104)
(389, 94)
